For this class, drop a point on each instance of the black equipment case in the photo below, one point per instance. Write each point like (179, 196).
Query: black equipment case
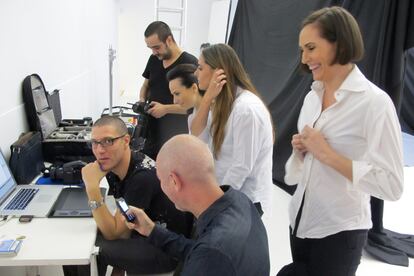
(62, 140)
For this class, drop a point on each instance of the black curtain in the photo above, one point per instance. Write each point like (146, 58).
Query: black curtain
(265, 36)
(407, 103)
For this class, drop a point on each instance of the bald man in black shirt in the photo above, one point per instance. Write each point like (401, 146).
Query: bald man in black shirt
(230, 237)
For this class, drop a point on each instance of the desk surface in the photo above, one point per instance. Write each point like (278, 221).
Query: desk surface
(52, 241)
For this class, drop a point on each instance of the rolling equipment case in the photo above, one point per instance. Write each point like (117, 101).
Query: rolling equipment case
(62, 140)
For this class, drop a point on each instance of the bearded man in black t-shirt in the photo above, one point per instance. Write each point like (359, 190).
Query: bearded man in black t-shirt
(166, 118)
(130, 175)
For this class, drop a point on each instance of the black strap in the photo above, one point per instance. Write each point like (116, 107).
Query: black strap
(298, 216)
(259, 208)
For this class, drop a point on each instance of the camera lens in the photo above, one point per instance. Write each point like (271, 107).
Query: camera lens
(56, 173)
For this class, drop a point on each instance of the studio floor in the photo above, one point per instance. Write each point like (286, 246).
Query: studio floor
(398, 217)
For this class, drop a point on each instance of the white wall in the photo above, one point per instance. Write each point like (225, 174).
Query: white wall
(232, 14)
(218, 21)
(66, 43)
(134, 17)
(198, 24)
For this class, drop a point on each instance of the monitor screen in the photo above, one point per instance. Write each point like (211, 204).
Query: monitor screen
(7, 182)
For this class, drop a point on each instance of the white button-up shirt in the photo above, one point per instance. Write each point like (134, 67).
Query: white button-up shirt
(246, 156)
(361, 125)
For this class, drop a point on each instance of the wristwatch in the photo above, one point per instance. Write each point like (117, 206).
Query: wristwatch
(93, 204)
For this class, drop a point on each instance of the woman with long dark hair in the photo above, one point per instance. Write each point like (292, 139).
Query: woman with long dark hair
(236, 124)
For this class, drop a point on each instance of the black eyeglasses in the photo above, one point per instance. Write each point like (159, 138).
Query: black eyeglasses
(105, 142)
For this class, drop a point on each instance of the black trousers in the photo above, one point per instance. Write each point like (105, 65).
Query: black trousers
(135, 255)
(335, 255)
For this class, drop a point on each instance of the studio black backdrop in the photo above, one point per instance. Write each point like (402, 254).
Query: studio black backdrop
(407, 103)
(265, 36)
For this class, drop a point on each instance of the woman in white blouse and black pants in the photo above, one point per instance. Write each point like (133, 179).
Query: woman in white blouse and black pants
(348, 148)
(236, 124)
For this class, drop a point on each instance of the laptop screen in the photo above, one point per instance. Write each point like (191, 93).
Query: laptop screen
(7, 182)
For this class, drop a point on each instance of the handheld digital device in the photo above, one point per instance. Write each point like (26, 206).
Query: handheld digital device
(123, 207)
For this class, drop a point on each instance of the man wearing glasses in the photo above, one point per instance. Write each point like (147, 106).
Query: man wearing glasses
(130, 175)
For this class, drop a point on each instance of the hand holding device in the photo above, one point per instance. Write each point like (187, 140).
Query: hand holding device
(157, 110)
(123, 207)
(142, 223)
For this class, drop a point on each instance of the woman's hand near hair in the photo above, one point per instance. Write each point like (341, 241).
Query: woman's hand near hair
(217, 81)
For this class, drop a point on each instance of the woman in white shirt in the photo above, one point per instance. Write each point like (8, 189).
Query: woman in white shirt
(348, 148)
(235, 123)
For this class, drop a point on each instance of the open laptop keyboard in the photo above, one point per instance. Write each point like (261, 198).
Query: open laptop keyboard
(21, 199)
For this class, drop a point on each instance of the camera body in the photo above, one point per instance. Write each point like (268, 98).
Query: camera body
(141, 107)
(123, 207)
(141, 129)
(69, 172)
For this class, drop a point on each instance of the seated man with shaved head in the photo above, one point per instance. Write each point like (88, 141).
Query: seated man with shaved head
(230, 236)
(130, 175)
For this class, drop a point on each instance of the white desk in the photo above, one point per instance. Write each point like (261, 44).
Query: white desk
(52, 241)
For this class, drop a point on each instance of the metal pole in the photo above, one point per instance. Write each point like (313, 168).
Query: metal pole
(183, 33)
(111, 61)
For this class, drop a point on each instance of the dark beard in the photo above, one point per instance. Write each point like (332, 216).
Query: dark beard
(166, 56)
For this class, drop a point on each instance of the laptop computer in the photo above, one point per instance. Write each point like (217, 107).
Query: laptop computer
(18, 200)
